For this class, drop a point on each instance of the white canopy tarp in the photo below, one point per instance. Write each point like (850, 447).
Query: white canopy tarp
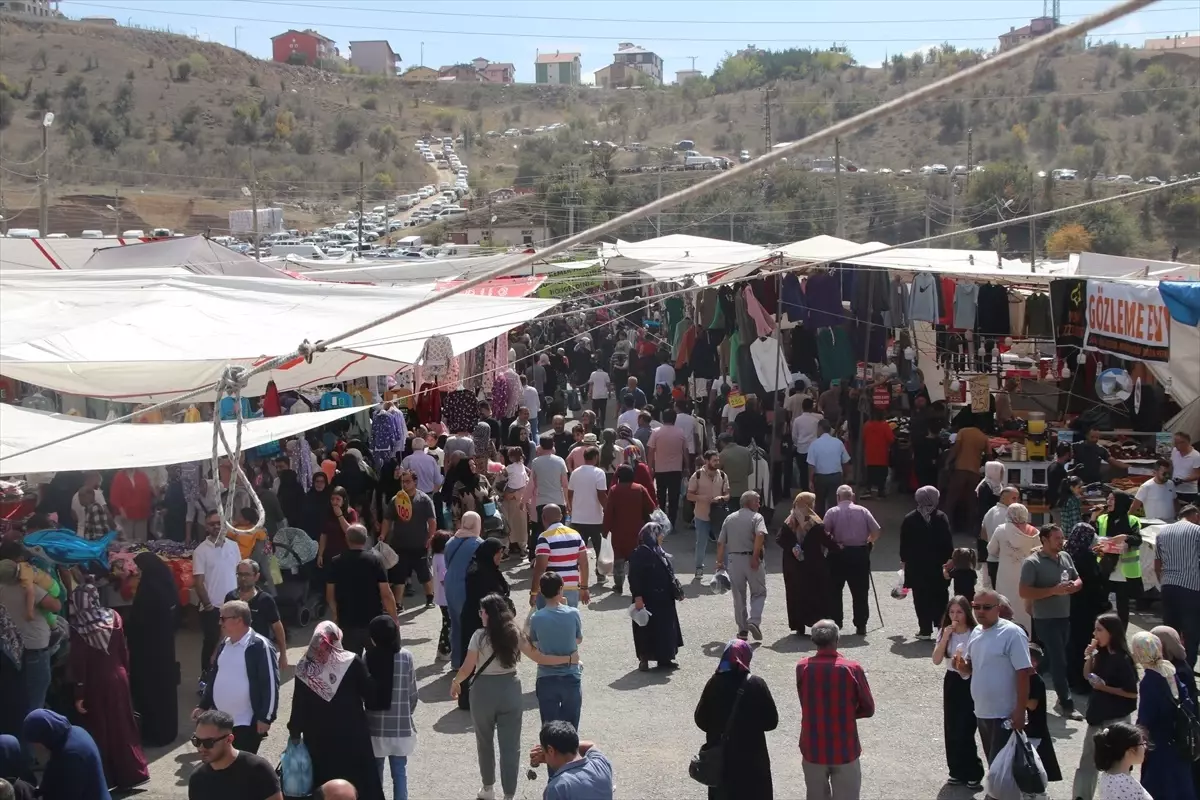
(196, 254)
(426, 270)
(127, 444)
(967, 263)
(134, 339)
(678, 255)
(1101, 265)
(52, 254)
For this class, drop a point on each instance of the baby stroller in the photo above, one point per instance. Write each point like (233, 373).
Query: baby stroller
(298, 601)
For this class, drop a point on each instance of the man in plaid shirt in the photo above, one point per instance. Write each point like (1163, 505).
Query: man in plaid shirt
(834, 695)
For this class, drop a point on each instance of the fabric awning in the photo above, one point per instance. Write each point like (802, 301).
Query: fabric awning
(130, 445)
(104, 335)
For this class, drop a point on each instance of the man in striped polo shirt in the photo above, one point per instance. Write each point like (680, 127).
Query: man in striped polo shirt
(1177, 564)
(560, 549)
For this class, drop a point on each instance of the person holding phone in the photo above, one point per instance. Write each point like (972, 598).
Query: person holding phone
(1109, 669)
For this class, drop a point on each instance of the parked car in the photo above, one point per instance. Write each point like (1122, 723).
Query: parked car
(1152, 180)
(743, 156)
(940, 169)
(685, 144)
(883, 171)
(1064, 174)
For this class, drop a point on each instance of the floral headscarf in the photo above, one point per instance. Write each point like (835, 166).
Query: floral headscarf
(325, 663)
(1079, 541)
(91, 619)
(737, 656)
(1147, 652)
(11, 643)
(927, 498)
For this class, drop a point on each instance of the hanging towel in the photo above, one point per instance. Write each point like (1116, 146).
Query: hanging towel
(270, 401)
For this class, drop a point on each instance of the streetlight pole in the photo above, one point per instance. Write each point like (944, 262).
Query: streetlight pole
(44, 185)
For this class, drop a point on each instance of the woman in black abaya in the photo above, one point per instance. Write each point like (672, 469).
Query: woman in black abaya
(652, 585)
(483, 578)
(153, 671)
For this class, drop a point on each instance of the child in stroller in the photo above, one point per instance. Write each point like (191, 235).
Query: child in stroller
(297, 599)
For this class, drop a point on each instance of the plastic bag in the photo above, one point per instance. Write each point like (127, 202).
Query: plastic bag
(607, 556)
(640, 616)
(295, 770)
(1000, 783)
(900, 591)
(721, 583)
(1028, 771)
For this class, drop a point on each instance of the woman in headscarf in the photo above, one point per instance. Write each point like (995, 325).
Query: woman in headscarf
(316, 506)
(1174, 652)
(355, 477)
(153, 671)
(14, 768)
(747, 768)
(1086, 604)
(386, 488)
(1166, 775)
(610, 454)
(14, 701)
(289, 492)
(468, 490)
(175, 504)
(926, 544)
(99, 667)
(634, 456)
(331, 687)
(459, 554)
(1124, 566)
(73, 768)
(1011, 544)
(807, 581)
(628, 508)
(390, 711)
(988, 494)
(483, 578)
(652, 584)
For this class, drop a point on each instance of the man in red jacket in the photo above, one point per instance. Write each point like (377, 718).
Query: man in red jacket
(132, 498)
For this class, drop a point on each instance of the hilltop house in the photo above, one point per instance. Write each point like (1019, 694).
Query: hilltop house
(419, 74)
(1039, 26)
(557, 68)
(374, 58)
(640, 59)
(305, 47)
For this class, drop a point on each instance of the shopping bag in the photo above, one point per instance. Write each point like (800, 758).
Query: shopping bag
(640, 616)
(900, 591)
(274, 569)
(1000, 783)
(1028, 771)
(295, 770)
(387, 556)
(607, 556)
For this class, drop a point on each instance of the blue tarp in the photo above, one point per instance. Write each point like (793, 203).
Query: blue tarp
(1182, 299)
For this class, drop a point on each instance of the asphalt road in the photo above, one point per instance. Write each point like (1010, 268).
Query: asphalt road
(643, 721)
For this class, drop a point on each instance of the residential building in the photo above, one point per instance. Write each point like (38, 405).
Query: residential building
(499, 72)
(305, 47)
(374, 58)
(682, 76)
(1039, 26)
(511, 235)
(421, 74)
(621, 76)
(557, 68)
(1185, 42)
(640, 59)
(460, 73)
(28, 8)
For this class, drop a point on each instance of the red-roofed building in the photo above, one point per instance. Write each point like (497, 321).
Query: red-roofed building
(302, 47)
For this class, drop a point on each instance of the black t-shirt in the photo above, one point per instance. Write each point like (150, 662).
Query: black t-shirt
(1117, 670)
(356, 575)
(249, 777)
(1089, 457)
(263, 613)
(563, 441)
(412, 533)
(494, 424)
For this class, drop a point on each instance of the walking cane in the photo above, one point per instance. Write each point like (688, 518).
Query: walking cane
(878, 608)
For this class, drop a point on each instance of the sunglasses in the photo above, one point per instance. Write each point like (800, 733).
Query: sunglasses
(209, 743)
(226, 619)
(983, 606)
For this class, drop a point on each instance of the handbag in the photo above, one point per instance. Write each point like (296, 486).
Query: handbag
(1187, 733)
(295, 770)
(708, 766)
(464, 691)
(1027, 769)
(387, 556)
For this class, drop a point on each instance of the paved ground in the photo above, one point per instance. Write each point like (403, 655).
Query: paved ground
(643, 721)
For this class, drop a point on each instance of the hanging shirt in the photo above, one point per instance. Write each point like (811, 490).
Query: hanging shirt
(1037, 317)
(993, 311)
(966, 298)
(763, 323)
(770, 365)
(228, 410)
(923, 300)
(1016, 313)
(329, 400)
(823, 296)
(835, 354)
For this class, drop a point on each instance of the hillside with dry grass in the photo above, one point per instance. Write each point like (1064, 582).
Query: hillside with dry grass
(179, 126)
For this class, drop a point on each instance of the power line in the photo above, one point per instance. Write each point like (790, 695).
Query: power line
(543, 35)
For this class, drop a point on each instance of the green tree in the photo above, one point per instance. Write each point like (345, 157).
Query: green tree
(1187, 155)
(346, 134)
(1125, 60)
(383, 140)
(303, 142)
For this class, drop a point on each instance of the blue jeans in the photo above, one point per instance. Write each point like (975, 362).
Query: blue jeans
(36, 667)
(703, 526)
(572, 596)
(399, 765)
(560, 697)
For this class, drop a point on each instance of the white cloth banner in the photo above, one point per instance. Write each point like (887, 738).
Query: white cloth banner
(1127, 320)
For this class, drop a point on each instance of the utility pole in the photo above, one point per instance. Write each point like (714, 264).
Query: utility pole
(362, 171)
(236, 28)
(837, 185)
(731, 226)
(693, 58)
(3, 214)
(967, 178)
(658, 217)
(44, 184)
(1032, 226)
(491, 217)
(927, 234)
(422, 54)
(571, 201)
(767, 118)
(952, 199)
(254, 206)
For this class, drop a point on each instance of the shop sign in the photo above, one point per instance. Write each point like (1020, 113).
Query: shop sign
(1068, 303)
(736, 400)
(570, 282)
(1128, 321)
(499, 287)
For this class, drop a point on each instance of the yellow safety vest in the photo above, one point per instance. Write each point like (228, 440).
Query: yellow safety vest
(1131, 559)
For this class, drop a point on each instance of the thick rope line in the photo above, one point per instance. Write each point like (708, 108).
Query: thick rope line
(231, 383)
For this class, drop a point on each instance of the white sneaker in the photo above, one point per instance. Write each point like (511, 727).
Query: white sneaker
(486, 793)
(443, 657)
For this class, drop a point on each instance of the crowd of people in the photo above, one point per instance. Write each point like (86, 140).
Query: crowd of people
(600, 454)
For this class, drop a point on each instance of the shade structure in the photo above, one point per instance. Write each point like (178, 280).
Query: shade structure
(196, 254)
(150, 338)
(678, 256)
(426, 270)
(127, 444)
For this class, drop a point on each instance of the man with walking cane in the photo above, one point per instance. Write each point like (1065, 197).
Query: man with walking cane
(854, 530)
